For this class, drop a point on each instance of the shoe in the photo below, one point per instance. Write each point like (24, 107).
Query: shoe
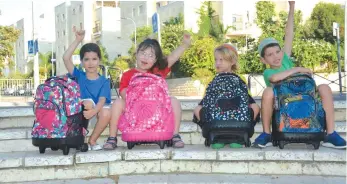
(94, 147)
(217, 146)
(236, 145)
(263, 140)
(334, 140)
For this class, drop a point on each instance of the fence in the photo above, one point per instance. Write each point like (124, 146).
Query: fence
(17, 87)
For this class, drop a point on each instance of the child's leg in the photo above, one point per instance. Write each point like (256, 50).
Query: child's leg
(176, 106)
(197, 112)
(116, 110)
(267, 101)
(332, 139)
(328, 106)
(264, 139)
(104, 117)
(256, 110)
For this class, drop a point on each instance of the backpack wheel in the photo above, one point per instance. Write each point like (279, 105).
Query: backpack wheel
(130, 145)
(281, 144)
(207, 142)
(66, 150)
(275, 143)
(316, 145)
(84, 147)
(161, 144)
(169, 143)
(54, 148)
(42, 149)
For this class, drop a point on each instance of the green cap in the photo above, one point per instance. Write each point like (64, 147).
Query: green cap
(266, 42)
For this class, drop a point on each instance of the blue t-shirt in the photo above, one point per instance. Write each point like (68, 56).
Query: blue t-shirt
(93, 89)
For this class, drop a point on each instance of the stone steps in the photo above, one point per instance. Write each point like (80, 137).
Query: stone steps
(296, 160)
(201, 179)
(19, 139)
(16, 124)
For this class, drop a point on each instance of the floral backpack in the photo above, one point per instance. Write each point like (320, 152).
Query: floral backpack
(57, 108)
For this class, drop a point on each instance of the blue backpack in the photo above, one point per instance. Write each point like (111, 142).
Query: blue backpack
(297, 105)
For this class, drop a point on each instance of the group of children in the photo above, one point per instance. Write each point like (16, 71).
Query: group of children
(95, 89)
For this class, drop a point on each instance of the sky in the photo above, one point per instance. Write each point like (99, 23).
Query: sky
(14, 10)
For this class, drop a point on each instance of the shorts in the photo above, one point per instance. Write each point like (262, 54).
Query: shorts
(106, 106)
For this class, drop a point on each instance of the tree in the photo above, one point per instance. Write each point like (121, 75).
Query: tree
(104, 56)
(179, 20)
(209, 24)
(8, 35)
(321, 21)
(199, 55)
(141, 34)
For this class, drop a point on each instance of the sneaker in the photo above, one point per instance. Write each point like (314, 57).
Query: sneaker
(94, 147)
(235, 145)
(263, 140)
(217, 146)
(334, 140)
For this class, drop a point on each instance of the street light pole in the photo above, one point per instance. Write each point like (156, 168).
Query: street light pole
(126, 18)
(36, 62)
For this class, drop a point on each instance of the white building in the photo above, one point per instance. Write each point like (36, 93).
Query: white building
(76, 14)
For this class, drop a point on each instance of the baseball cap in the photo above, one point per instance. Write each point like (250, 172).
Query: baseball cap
(266, 42)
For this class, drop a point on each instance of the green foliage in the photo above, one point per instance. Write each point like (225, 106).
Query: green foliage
(175, 20)
(8, 35)
(321, 21)
(204, 75)
(104, 60)
(200, 55)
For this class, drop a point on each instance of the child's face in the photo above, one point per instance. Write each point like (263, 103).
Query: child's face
(91, 62)
(145, 59)
(273, 56)
(221, 64)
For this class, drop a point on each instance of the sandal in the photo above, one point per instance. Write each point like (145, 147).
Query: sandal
(177, 141)
(111, 143)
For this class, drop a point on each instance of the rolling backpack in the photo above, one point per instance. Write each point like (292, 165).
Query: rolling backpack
(226, 107)
(58, 115)
(298, 114)
(148, 114)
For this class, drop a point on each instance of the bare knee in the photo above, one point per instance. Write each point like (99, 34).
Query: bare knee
(88, 104)
(118, 104)
(324, 88)
(104, 113)
(268, 93)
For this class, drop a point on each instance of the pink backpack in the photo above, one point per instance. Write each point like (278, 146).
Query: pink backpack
(148, 114)
(57, 104)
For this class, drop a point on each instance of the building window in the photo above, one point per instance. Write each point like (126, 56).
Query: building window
(119, 55)
(80, 8)
(234, 19)
(133, 13)
(63, 17)
(64, 32)
(58, 34)
(64, 48)
(57, 18)
(81, 25)
(140, 9)
(158, 4)
(73, 11)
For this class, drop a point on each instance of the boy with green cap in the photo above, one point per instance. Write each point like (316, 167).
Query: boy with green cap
(281, 67)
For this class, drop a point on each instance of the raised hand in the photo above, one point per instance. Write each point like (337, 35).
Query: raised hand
(79, 34)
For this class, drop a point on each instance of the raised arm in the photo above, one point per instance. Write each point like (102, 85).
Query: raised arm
(282, 75)
(289, 31)
(68, 53)
(176, 54)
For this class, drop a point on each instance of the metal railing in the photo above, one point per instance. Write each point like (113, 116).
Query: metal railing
(17, 87)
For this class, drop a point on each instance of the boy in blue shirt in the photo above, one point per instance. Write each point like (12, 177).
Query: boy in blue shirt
(282, 67)
(95, 89)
